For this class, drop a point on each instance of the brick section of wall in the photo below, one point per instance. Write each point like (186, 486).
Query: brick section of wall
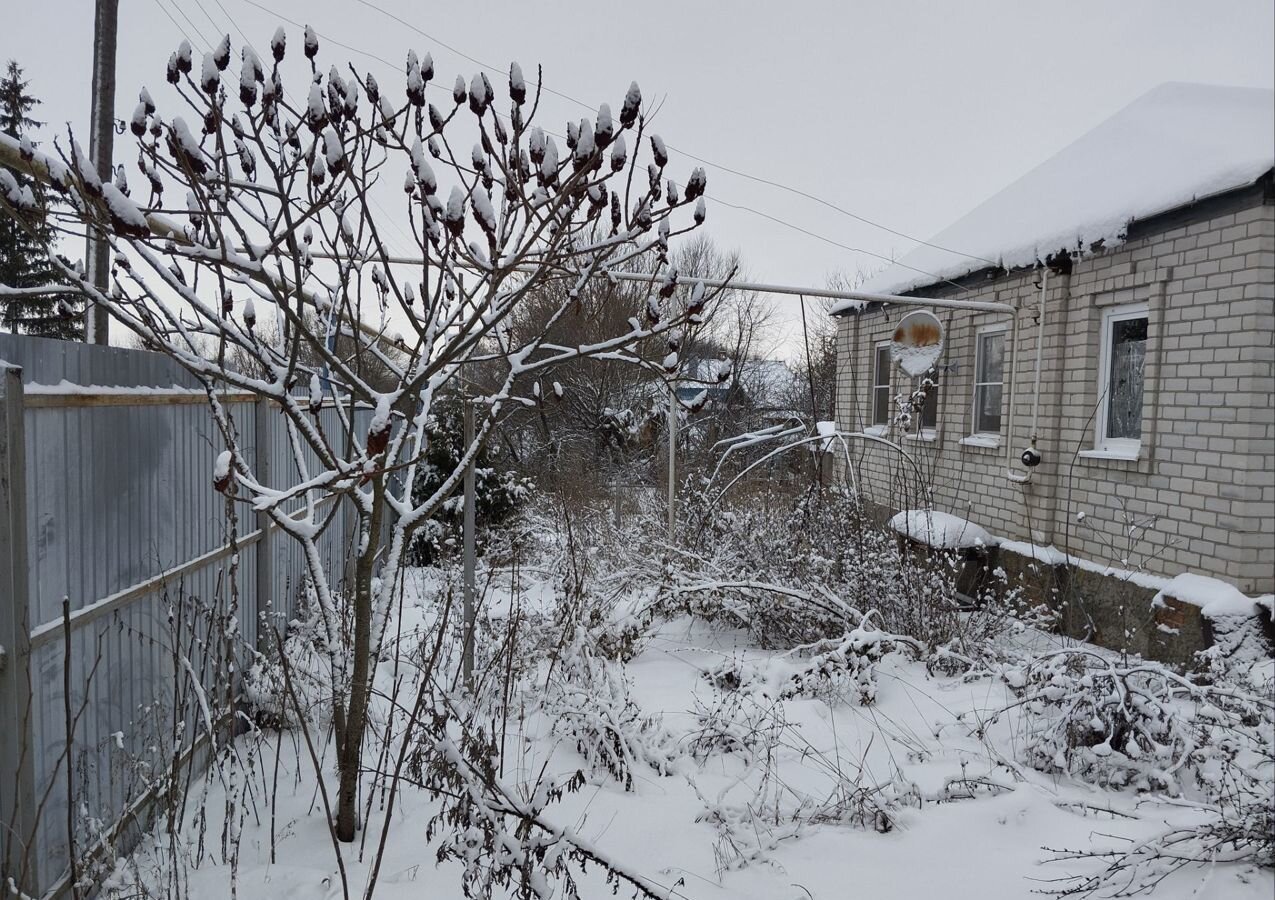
(1201, 495)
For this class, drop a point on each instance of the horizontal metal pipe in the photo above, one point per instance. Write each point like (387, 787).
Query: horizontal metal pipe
(763, 288)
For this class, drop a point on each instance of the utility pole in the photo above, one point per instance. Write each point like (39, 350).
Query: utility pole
(101, 142)
(467, 583)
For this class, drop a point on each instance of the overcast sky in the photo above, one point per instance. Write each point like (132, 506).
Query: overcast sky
(902, 112)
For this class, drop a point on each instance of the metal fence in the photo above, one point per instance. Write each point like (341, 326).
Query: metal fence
(108, 520)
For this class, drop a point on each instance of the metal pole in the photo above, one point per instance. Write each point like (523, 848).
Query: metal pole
(672, 463)
(101, 142)
(19, 852)
(467, 653)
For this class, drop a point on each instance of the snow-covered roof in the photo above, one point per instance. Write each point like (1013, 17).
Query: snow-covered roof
(1176, 144)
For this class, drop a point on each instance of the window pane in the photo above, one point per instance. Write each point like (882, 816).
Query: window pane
(930, 408)
(882, 375)
(881, 406)
(988, 408)
(991, 357)
(1128, 356)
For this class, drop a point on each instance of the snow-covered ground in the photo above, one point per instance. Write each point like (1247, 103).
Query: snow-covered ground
(763, 798)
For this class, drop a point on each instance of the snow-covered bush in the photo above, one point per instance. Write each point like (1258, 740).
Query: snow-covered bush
(797, 571)
(587, 697)
(1137, 725)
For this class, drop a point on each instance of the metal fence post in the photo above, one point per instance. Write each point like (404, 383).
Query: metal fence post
(265, 544)
(468, 581)
(17, 782)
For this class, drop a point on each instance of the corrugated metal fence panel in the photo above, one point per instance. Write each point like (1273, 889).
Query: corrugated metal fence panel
(118, 495)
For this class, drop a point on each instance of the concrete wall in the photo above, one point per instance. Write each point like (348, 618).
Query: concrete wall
(1200, 496)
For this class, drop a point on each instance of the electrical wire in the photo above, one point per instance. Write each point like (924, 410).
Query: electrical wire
(713, 197)
(738, 172)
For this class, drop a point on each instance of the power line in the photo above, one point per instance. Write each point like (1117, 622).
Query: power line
(176, 24)
(742, 174)
(713, 197)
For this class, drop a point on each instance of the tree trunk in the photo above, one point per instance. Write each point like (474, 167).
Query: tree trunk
(349, 751)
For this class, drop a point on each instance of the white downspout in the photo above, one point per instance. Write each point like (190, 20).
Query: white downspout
(1026, 475)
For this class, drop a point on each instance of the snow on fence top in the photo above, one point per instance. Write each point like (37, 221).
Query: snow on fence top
(1173, 145)
(941, 530)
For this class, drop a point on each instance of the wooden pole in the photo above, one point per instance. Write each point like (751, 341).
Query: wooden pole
(101, 146)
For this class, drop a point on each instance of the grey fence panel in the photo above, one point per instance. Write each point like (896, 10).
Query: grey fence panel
(121, 520)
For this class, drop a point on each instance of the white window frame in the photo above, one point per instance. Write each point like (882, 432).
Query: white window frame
(986, 436)
(880, 427)
(1123, 447)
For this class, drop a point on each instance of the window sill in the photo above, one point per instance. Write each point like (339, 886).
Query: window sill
(876, 430)
(1131, 455)
(926, 434)
(990, 441)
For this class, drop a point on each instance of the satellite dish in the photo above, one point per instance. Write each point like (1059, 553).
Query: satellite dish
(917, 342)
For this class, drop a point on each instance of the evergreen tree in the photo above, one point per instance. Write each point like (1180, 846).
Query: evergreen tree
(24, 259)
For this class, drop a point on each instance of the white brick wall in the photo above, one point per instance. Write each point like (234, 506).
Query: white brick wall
(1206, 475)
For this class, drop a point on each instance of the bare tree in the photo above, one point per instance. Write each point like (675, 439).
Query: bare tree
(283, 223)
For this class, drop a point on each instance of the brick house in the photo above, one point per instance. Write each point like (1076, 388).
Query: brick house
(1141, 263)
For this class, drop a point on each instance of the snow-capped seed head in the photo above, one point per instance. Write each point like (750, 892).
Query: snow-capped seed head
(659, 151)
(484, 214)
(616, 216)
(249, 75)
(311, 43)
(605, 129)
(427, 67)
(185, 57)
(669, 283)
(573, 135)
(373, 89)
(316, 391)
(478, 94)
(549, 165)
(455, 214)
(208, 74)
(144, 98)
(278, 44)
(316, 112)
(249, 314)
(696, 184)
(221, 55)
(536, 145)
(415, 81)
(696, 302)
(318, 170)
(351, 99)
(670, 193)
(632, 103)
(172, 74)
(458, 90)
(138, 123)
(222, 471)
(700, 211)
(619, 154)
(652, 310)
(517, 84)
(584, 142)
(478, 157)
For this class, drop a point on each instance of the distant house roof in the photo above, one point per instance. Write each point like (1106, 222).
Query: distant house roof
(769, 383)
(1176, 144)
